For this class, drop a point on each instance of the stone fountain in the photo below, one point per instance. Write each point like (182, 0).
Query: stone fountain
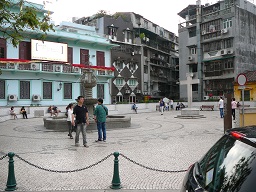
(88, 81)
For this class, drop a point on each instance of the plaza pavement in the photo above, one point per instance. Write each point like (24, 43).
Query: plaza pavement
(154, 140)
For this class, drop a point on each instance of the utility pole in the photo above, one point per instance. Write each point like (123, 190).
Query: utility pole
(199, 51)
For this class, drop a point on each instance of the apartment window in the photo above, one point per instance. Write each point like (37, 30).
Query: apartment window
(112, 30)
(24, 89)
(227, 23)
(229, 64)
(67, 90)
(119, 98)
(194, 87)
(47, 90)
(132, 99)
(211, 26)
(227, 43)
(119, 65)
(2, 89)
(132, 66)
(100, 58)
(100, 91)
(25, 50)
(213, 46)
(119, 82)
(70, 55)
(247, 95)
(193, 51)
(132, 82)
(84, 56)
(2, 48)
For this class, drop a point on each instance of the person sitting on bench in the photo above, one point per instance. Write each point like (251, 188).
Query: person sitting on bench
(12, 112)
(23, 112)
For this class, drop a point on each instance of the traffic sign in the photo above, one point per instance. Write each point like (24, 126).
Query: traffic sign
(241, 79)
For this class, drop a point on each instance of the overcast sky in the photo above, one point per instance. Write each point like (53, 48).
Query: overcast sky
(161, 12)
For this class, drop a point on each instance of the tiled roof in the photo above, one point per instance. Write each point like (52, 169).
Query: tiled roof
(251, 75)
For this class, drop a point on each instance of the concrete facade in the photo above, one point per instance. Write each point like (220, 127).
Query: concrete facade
(146, 60)
(222, 45)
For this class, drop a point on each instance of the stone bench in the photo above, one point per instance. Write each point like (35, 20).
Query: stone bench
(207, 107)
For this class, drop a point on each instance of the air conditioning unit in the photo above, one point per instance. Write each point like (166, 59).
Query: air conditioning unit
(10, 65)
(36, 98)
(147, 59)
(230, 51)
(138, 91)
(223, 52)
(206, 98)
(203, 32)
(12, 97)
(34, 66)
(76, 69)
(57, 68)
(190, 58)
(224, 31)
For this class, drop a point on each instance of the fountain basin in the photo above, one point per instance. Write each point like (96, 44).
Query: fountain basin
(112, 122)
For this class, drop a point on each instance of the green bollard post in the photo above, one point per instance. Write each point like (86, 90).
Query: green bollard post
(11, 182)
(116, 184)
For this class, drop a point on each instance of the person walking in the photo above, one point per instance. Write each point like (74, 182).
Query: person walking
(69, 119)
(221, 106)
(80, 112)
(23, 112)
(100, 115)
(234, 106)
(161, 105)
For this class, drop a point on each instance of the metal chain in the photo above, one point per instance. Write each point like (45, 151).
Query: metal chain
(152, 169)
(70, 171)
(1, 158)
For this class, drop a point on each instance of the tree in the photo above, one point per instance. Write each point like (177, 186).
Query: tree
(13, 25)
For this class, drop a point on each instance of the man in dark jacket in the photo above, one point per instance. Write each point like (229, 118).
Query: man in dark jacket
(80, 113)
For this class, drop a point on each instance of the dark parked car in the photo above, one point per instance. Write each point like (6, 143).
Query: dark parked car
(229, 166)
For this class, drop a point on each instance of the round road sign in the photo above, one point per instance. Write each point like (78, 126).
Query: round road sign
(241, 79)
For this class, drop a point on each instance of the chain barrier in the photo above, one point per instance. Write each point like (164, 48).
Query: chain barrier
(70, 171)
(1, 158)
(150, 168)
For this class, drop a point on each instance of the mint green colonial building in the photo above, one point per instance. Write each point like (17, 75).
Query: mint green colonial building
(48, 73)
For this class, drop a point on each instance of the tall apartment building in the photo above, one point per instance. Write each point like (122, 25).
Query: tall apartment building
(146, 59)
(216, 43)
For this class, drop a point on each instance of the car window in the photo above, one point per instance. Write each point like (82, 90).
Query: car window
(229, 166)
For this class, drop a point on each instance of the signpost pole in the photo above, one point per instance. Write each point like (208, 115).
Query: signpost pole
(241, 80)
(243, 105)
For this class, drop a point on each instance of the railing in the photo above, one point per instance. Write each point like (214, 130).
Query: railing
(105, 73)
(46, 67)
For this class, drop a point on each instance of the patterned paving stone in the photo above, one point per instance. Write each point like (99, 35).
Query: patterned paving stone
(154, 141)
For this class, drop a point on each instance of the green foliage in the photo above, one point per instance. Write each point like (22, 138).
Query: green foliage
(100, 13)
(14, 24)
(142, 36)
